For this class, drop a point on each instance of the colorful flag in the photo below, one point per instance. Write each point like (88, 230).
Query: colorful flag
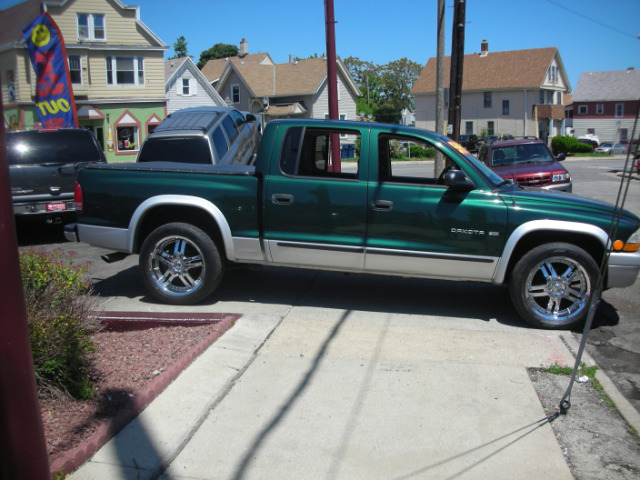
(54, 97)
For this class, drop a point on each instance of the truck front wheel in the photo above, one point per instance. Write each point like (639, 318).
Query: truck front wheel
(551, 286)
(180, 264)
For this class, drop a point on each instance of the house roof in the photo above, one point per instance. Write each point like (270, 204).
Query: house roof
(302, 77)
(608, 86)
(171, 66)
(494, 71)
(213, 69)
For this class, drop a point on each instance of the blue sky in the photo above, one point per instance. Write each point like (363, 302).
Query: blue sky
(591, 35)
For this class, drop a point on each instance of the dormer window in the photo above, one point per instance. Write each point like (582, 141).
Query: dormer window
(91, 27)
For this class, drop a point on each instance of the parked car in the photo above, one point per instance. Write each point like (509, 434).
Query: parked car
(604, 148)
(42, 168)
(527, 162)
(204, 135)
(470, 142)
(619, 149)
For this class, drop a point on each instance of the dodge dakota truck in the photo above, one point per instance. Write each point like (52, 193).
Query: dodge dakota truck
(300, 206)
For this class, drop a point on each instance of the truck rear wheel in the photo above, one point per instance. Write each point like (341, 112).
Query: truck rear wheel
(180, 264)
(551, 286)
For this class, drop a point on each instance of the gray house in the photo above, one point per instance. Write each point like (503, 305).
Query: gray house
(186, 86)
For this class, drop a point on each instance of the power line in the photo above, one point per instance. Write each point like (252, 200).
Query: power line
(626, 34)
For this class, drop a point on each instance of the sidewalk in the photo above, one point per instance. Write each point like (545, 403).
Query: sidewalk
(330, 394)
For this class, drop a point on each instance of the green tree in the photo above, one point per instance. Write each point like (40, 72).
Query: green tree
(386, 89)
(219, 50)
(180, 48)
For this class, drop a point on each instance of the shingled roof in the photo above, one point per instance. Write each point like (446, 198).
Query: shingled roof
(494, 71)
(616, 85)
(302, 77)
(213, 69)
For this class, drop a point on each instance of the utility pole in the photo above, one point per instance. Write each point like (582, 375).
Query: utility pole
(457, 58)
(22, 443)
(332, 83)
(439, 160)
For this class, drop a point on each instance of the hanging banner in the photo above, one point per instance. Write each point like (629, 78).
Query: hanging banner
(54, 97)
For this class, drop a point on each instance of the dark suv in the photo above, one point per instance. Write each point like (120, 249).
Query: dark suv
(42, 167)
(470, 142)
(204, 135)
(527, 162)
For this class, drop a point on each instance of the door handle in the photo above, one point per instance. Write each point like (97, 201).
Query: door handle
(281, 199)
(382, 205)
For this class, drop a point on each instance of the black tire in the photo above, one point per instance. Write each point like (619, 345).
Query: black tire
(551, 286)
(180, 264)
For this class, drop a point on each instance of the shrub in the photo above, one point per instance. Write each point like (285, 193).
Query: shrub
(60, 317)
(420, 152)
(569, 145)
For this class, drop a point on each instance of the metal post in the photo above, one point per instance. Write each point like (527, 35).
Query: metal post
(22, 443)
(439, 159)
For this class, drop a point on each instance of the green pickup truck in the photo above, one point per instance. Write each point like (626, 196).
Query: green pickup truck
(329, 195)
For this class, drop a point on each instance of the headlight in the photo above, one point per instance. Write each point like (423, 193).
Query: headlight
(560, 177)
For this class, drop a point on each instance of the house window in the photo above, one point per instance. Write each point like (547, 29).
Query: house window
(559, 98)
(235, 93)
(75, 69)
(599, 108)
(624, 134)
(505, 107)
(550, 98)
(583, 109)
(125, 71)
(127, 138)
(468, 128)
(591, 131)
(619, 109)
(90, 27)
(490, 128)
(487, 99)
(541, 97)
(185, 86)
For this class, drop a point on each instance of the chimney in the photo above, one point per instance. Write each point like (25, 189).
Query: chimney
(244, 48)
(484, 48)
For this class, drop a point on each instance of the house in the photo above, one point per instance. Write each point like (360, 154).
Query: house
(186, 86)
(517, 92)
(116, 65)
(606, 104)
(255, 83)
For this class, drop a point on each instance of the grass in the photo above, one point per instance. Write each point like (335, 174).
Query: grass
(583, 370)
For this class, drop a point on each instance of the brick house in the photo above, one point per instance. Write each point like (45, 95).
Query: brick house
(606, 104)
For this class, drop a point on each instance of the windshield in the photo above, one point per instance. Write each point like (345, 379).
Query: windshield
(514, 154)
(491, 176)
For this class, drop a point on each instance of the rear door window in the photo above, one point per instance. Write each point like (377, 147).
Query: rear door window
(59, 147)
(176, 149)
(220, 143)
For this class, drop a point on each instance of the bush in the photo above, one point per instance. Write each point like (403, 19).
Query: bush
(569, 145)
(420, 152)
(60, 317)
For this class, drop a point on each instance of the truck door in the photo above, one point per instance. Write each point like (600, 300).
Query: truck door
(316, 216)
(419, 227)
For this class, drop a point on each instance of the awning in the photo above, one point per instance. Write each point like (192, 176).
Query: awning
(89, 112)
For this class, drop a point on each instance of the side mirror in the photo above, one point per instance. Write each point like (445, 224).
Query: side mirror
(250, 117)
(560, 157)
(457, 180)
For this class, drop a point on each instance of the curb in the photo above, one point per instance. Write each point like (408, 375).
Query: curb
(120, 321)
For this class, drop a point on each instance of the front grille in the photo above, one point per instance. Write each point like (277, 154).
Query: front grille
(533, 180)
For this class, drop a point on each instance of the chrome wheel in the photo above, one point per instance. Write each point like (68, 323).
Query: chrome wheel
(558, 289)
(180, 264)
(177, 266)
(551, 286)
